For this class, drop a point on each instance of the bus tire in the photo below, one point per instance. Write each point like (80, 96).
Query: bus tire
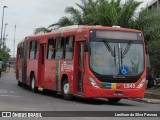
(114, 100)
(66, 90)
(33, 85)
(19, 83)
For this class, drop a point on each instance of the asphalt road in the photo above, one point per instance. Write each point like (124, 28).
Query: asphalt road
(15, 98)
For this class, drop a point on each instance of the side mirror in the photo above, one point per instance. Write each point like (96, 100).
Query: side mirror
(146, 47)
(86, 47)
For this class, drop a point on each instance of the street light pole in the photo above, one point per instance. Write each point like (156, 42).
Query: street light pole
(2, 25)
(14, 41)
(5, 39)
(4, 34)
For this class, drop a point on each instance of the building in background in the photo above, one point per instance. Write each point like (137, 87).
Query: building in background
(12, 61)
(154, 5)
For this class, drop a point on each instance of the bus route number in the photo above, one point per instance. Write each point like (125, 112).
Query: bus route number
(129, 85)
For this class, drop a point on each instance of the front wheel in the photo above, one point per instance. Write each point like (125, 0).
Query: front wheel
(114, 100)
(19, 83)
(32, 85)
(66, 90)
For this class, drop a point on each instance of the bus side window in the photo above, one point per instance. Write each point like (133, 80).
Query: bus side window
(69, 47)
(59, 48)
(18, 52)
(33, 49)
(21, 51)
(51, 49)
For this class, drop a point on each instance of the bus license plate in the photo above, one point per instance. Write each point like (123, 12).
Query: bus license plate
(129, 85)
(118, 93)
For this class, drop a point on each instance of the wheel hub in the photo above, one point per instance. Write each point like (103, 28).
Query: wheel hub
(66, 88)
(32, 83)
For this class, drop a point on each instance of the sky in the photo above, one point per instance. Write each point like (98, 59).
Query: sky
(30, 14)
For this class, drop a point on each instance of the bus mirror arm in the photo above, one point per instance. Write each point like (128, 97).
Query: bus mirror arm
(87, 47)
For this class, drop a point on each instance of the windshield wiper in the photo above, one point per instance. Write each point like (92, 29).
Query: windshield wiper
(125, 50)
(112, 52)
(114, 55)
(121, 57)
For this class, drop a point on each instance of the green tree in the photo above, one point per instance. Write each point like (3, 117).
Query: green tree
(148, 21)
(4, 55)
(109, 13)
(76, 16)
(41, 30)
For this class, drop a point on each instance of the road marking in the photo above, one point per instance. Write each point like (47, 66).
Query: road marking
(10, 96)
(5, 91)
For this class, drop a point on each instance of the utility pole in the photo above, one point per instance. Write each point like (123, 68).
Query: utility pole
(14, 41)
(3, 43)
(158, 2)
(2, 26)
(5, 39)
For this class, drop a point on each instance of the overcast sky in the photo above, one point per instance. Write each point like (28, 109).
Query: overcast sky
(30, 14)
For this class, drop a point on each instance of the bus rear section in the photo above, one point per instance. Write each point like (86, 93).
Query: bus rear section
(114, 64)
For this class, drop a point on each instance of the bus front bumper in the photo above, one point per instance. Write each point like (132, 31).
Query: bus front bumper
(92, 92)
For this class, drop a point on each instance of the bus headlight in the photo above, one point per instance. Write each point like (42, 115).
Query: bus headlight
(93, 83)
(141, 83)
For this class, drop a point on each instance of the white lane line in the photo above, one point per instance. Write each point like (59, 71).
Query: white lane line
(10, 96)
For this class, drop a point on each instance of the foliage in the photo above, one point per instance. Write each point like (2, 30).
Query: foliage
(41, 30)
(148, 22)
(154, 52)
(108, 13)
(4, 55)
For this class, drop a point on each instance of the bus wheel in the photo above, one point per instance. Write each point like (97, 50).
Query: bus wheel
(65, 90)
(19, 83)
(114, 100)
(32, 85)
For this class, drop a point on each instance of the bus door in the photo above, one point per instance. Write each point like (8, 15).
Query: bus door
(81, 58)
(24, 62)
(18, 65)
(19, 62)
(41, 65)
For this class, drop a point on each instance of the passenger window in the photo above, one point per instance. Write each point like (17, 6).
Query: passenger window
(59, 48)
(33, 50)
(20, 52)
(51, 49)
(69, 47)
(58, 43)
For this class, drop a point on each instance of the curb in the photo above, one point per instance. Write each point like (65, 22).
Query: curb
(149, 98)
(151, 95)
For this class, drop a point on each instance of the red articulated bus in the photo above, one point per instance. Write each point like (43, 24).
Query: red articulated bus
(88, 61)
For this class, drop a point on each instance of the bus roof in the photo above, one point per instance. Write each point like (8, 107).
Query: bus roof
(75, 28)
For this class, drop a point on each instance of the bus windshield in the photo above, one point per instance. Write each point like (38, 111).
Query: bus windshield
(116, 57)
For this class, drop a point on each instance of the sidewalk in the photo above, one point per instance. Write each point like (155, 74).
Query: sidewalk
(153, 92)
(152, 95)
